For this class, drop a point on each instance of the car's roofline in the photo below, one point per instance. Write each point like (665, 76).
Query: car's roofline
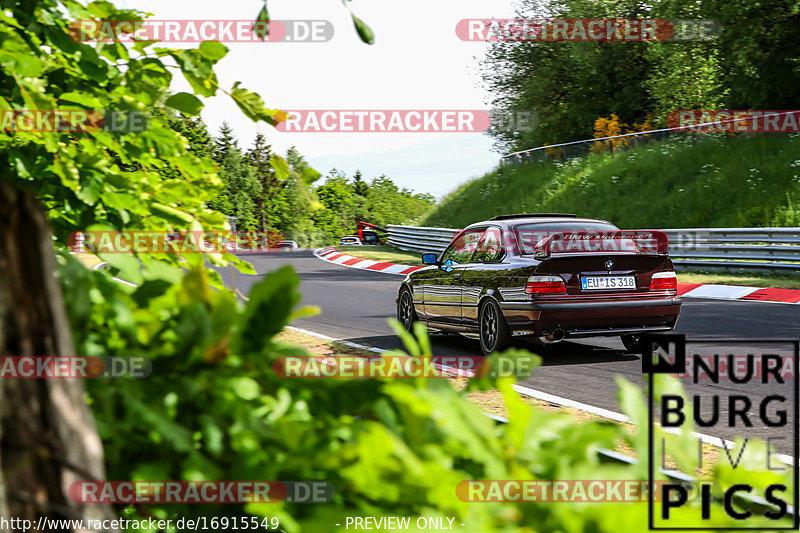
(531, 221)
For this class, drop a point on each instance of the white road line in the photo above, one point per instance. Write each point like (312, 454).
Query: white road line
(565, 402)
(339, 341)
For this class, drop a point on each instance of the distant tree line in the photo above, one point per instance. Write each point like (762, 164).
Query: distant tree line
(752, 64)
(291, 202)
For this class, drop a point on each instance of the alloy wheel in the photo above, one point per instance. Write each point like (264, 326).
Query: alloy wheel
(489, 328)
(405, 310)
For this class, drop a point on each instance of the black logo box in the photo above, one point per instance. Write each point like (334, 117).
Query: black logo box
(678, 366)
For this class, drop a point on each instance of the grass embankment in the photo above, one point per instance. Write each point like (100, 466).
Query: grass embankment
(715, 182)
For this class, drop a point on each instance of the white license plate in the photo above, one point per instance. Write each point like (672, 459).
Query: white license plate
(595, 283)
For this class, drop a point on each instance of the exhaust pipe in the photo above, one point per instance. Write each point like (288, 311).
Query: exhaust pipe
(557, 335)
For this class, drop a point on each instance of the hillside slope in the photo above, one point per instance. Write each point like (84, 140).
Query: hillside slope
(714, 182)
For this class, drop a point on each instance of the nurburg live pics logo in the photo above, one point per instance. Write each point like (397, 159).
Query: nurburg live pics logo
(721, 408)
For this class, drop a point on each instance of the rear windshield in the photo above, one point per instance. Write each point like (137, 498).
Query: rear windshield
(529, 234)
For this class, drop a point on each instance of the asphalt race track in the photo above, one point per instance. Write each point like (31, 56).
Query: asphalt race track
(355, 304)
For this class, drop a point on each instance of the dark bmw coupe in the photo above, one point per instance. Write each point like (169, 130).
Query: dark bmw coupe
(546, 277)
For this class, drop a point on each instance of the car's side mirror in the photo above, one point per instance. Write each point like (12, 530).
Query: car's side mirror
(430, 259)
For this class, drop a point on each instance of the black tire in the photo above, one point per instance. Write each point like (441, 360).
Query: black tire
(406, 314)
(535, 343)
(633, 343)
(494, 333)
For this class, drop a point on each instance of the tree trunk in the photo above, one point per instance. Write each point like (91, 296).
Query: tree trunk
(48, 439)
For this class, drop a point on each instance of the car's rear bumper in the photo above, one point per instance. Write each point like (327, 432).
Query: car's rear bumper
(589, 305)
(585, 318)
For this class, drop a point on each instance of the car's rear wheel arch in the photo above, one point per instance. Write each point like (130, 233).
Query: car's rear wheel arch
(493, 331)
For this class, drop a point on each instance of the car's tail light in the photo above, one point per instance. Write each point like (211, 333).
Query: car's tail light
(664, 281)
(545, 285)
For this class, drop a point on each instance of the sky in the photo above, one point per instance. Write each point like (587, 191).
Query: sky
(417, 62)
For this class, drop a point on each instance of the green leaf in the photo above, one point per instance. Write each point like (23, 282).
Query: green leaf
(246, 388)
(16, 56)
(242, 266)
(34, 92)
(90, 191)
(252, 105)
(66, 169)
(409, 342)
(139, 46)
(261, 27)
(170, 213)
(84, 99)
(305, 312)
(196, 66)
(364, 31)
(268, 310)
(280, 166)
(213, 50)
(309, 176)
(186, 103)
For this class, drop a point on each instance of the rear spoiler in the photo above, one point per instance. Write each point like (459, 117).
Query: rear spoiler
(599, 242)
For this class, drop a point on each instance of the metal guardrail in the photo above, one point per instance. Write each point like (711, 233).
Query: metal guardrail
(420, 239)
(613, 143)
(765, 249)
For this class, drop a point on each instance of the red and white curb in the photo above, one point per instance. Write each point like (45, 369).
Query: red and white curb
(329, 254)
(734, 292)
(687, 290)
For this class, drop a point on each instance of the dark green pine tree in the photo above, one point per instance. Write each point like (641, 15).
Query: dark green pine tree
(196, 132)
(259, 157)
(224, 143)
(296, 160)
(360, 187)
(242, 188)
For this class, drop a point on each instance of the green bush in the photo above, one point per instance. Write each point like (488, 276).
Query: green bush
(214, 409)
